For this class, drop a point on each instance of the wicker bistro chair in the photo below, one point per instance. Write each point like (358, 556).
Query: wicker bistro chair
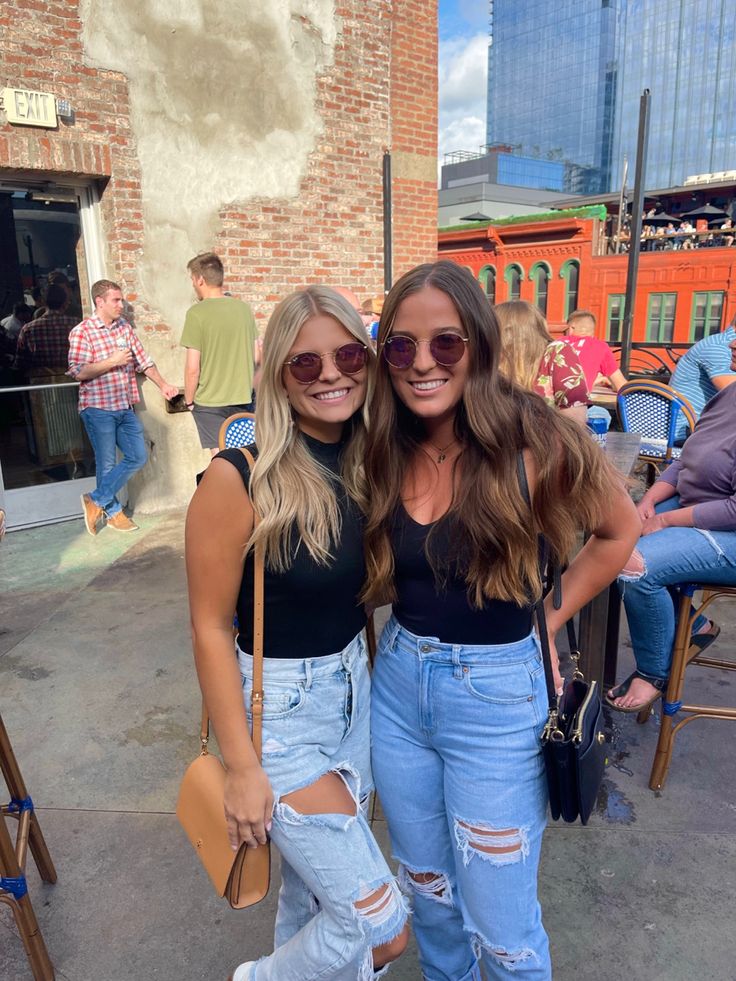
(237, 430)
(652, 410)
(672, 702)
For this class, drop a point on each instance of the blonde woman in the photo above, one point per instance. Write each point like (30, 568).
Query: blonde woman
(340, 914)
(531, 359)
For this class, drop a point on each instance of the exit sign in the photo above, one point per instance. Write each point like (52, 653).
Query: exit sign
(25, 108)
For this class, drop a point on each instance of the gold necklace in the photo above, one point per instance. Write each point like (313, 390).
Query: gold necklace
(441, 452)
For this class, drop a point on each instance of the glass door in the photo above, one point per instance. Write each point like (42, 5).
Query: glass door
(49, 254)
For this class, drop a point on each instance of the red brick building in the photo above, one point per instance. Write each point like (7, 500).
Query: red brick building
(564, 261)
(180, 129)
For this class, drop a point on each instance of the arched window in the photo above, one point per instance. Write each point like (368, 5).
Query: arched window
(570, 272)
(540, 275)
(487, 280)
(513, 275)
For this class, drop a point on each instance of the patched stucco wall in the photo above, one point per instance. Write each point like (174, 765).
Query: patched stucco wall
(222, 108)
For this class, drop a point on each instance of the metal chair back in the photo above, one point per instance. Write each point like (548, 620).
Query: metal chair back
(237, 430)
(652, 410)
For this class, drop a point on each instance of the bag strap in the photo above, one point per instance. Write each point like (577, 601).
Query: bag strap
(539, 605)
(258, 610)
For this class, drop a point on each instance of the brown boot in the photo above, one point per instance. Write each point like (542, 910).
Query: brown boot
(121, 522)
(92, 513)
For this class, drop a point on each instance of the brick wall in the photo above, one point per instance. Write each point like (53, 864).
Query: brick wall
(379, 93)
(413, 79)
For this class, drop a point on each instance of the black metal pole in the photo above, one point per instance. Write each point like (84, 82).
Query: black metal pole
(387, 237)
(635, 240)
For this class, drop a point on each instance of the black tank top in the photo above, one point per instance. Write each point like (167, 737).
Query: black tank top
(311, 610)
(446, 612)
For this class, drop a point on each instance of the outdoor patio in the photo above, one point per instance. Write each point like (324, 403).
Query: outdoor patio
(98, 693)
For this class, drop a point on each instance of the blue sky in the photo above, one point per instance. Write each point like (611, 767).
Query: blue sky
(463, 53)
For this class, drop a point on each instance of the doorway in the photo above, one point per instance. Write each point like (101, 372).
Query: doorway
(49, 255)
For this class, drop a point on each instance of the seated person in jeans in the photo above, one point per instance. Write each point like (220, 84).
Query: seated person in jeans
(688, 535)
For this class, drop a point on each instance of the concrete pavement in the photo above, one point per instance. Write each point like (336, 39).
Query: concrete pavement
(98, 694)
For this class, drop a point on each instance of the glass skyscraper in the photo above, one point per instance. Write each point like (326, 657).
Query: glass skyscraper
(565, 79)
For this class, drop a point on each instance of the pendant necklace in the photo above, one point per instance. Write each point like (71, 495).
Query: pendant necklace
(441, 451)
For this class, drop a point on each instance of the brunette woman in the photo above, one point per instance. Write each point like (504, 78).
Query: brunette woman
(340, 915)
(459, 698)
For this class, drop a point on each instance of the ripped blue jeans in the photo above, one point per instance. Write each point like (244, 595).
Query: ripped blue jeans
(458, 768)
(671, 556)
(316, 718)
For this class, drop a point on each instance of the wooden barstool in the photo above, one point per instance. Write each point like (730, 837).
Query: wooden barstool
(672, 703)
(13, 888)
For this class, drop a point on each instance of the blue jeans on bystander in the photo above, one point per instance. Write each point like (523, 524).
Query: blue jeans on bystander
(670, 557)
(109, 431)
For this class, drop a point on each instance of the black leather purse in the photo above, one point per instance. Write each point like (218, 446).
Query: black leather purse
(573, 739)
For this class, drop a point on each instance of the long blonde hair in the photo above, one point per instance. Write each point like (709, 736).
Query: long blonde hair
(524, 339)
(289, 488)
(494, 536)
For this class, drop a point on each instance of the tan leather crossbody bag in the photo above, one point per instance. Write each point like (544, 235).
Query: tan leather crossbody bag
(241, 877)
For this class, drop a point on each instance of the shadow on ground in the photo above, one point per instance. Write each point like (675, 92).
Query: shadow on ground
(98, 693)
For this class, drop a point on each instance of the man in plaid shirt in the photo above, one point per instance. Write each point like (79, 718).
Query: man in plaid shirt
(43, 344)
(104, 355)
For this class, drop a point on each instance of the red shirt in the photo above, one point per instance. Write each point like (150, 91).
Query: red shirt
(93, 341)
(595, 356)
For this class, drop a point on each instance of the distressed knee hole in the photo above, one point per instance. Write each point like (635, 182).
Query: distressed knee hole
(635, 567)
(382, 912)
(431, 885)
(326, 806)
(511, 960)
(499, 846)
(376, 906)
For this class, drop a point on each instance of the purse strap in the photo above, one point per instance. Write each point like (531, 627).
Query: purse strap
(258, 610)
(556, 584)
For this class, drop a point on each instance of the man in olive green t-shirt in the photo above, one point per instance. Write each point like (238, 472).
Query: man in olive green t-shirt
(220, 337)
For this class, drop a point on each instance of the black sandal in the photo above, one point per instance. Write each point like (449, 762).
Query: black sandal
(700, 642)
(659, 683)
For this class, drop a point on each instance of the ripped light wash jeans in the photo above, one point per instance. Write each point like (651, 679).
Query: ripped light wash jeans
(671, 556)
(316, 718)
(458, 768)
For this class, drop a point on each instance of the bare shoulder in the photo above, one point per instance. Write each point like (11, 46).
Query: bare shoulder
(221, 501)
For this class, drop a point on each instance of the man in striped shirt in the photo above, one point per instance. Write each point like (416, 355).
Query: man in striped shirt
(702, 372)
(104, 356)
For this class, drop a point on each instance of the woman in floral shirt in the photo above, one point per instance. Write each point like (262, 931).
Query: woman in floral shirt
(533, 360)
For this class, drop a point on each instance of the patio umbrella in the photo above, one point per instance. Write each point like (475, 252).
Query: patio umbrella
(476, 216)
(660, 218)
(706, 211)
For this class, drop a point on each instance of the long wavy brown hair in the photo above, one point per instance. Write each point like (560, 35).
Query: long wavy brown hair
(524, 339)
(494, 538)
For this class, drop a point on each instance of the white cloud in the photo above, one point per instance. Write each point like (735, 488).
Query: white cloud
(463, 69)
